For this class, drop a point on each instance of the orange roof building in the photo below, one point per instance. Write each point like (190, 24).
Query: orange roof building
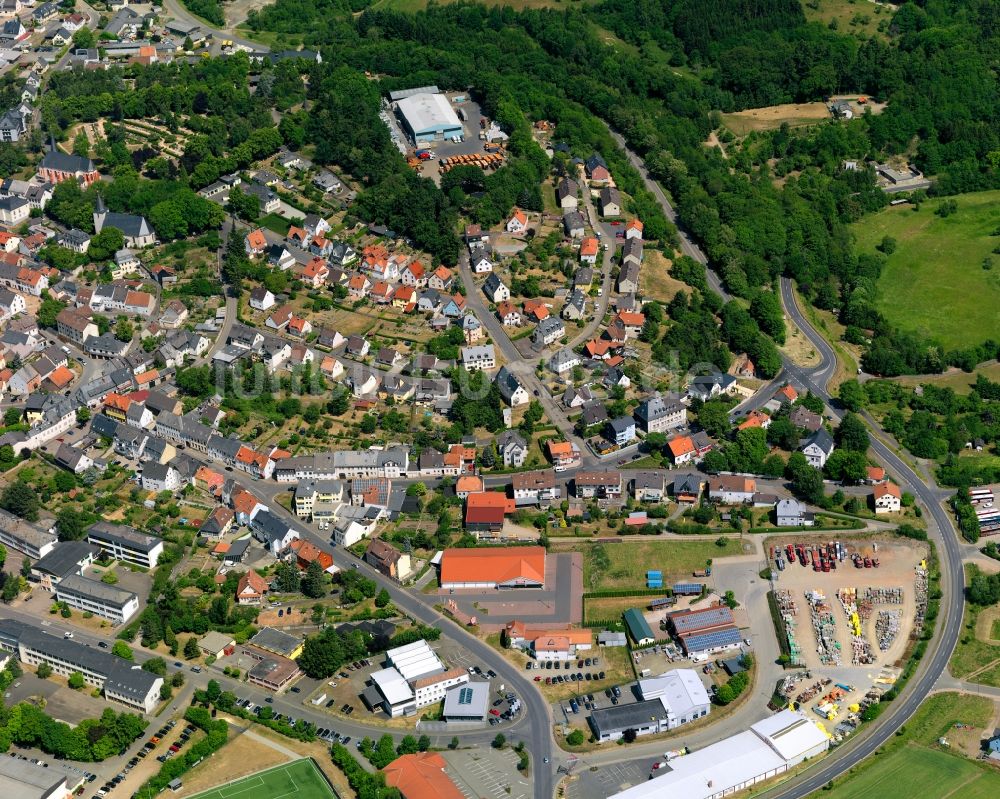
(506, 567)
(681, 448)
(421, 776)
(60, 377)
(755, 419)
(251, 589)
(787, 394)
(876, 474)
(589, 247)
(468, 484)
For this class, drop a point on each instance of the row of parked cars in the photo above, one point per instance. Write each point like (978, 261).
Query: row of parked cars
(561, 664)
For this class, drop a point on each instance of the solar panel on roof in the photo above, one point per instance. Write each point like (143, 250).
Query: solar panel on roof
(711, 640)
(465, 696)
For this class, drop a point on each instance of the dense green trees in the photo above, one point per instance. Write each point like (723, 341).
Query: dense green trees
(91, 740)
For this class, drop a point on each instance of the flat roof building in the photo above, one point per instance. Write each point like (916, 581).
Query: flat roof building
(106, 601)
(272, 672)
(429, 117)
(468, 702)
(278, 642)
(126, 543)
(22, 779)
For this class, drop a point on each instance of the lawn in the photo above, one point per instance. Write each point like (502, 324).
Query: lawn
(607, 608)
(276, 223)
(913, 764)
(656, 279)
(934, 283)
(627, 562)
(301, 779)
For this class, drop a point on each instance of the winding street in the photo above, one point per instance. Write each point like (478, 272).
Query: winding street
(940, 529)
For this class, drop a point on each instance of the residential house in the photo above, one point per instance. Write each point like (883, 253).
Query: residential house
(495, 289)
(628, 279)
(566, 194)
(573, 224)
(261, 299)
(548, 331)
(388, 560)
(730, 489)
(633, 229)
(590, 248)
(508, 314)
(254, 243)
(472, 328)
(817, 448)
(564, 455)
(511, 390)
(792, 513)
(610, 201)
(660, 414)
(805, 419)
(518, 222)
(649, 486)
(621, 431)
(535, 488)
(250, 589)
(887, 498)
(512, 448)
(563, 361)
(681, 450)
(597, 170)
(598, 484)
(441, 279)
(481, 357)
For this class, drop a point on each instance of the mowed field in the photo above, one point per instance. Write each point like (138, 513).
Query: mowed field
(300, 779)
(628, 562)
(935, 283)
(914, 765)
(774, 116)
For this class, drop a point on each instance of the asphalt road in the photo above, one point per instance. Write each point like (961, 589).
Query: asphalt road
(941, 531)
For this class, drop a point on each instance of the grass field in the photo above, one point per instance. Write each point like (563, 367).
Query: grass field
(628, 562)
(973, 655)
(958, 381)
(276, 223)
(934, 283)
(852, 16)
(774, 116)
(300, 779)
(914, 765)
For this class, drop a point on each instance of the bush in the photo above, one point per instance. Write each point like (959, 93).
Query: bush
(575, 738)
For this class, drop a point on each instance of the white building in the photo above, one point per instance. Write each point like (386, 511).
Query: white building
(769, 748)
(126, 543)
(120, 680)
(106, 601)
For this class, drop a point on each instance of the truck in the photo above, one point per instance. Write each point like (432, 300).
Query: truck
(319, 700)
(703, 572)
(492, 147)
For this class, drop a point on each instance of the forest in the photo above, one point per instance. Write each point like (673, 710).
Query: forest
(934, 70)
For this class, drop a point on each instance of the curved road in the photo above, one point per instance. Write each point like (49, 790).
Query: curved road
(949, 621)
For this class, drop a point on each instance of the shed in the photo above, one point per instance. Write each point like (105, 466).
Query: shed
(638, 628)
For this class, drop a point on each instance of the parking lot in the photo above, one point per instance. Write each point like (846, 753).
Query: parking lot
(599, 782)
(487, 774)
(61, 702)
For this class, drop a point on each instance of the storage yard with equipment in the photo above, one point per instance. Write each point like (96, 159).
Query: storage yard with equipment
(849, 625)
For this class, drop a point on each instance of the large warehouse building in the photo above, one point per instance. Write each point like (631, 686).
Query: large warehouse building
(769, 748)
(428, 116)
(494, 567)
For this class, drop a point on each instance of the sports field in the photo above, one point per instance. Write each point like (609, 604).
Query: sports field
(301, 779)
(942, 280)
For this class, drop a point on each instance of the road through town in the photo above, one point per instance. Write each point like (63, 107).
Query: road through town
(940, 528)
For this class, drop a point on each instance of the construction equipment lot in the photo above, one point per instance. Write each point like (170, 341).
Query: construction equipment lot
(875, 596)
